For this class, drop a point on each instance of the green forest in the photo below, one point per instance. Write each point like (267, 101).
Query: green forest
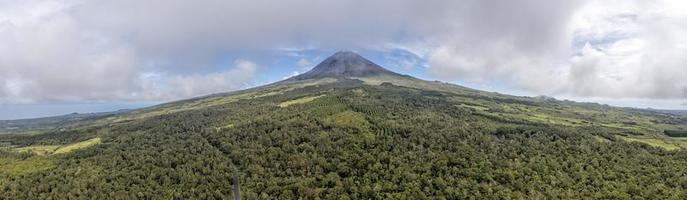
(352, 139)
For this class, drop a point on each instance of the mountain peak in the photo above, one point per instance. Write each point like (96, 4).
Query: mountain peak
(345, 64)
(347, 55)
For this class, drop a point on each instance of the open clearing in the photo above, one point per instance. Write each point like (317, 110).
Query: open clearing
(299, 101)
(653, 142)
(46, 150)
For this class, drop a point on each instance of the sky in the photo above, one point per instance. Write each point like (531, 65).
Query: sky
(64, 56)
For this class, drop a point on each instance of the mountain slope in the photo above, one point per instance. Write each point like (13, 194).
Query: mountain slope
(352, 130)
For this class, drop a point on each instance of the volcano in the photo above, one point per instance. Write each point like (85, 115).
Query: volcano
(345, 64)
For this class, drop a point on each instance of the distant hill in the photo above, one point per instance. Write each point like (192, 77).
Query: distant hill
(10, 126)
(351, 129)
(678, 112)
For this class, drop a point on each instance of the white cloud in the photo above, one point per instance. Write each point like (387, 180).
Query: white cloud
(157, 86)
(635, 52)
(50, 55)
(606, 49)
(72, 50)
(293, 73)
(231, 79)
(304, 63)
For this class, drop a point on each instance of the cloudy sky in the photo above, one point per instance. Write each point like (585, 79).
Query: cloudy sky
(62, 56)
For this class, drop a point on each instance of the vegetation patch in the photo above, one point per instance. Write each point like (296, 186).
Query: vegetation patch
(475, 107)
(359, 92)
(22, 166)
(681, 143)
(653, 142)
(554, 120)
(268, 94)
(225, 127)
(621, 126)
(41, 150)
(675, 133)
(348, 119)
(600, 139)
(299, 101)
(46, 150)
(351, 120)
(78, 145)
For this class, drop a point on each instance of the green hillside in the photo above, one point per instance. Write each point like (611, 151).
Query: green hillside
(368, 137)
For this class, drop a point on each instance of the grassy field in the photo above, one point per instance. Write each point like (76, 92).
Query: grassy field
(667, 145)
(351, 120)
(46, 150)
(348, 119)
(40, 157)
(601, 139)
(554, 120)
(41, 150)
(475, 107)
(78, 145)
(299, 101)
(17, 166)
